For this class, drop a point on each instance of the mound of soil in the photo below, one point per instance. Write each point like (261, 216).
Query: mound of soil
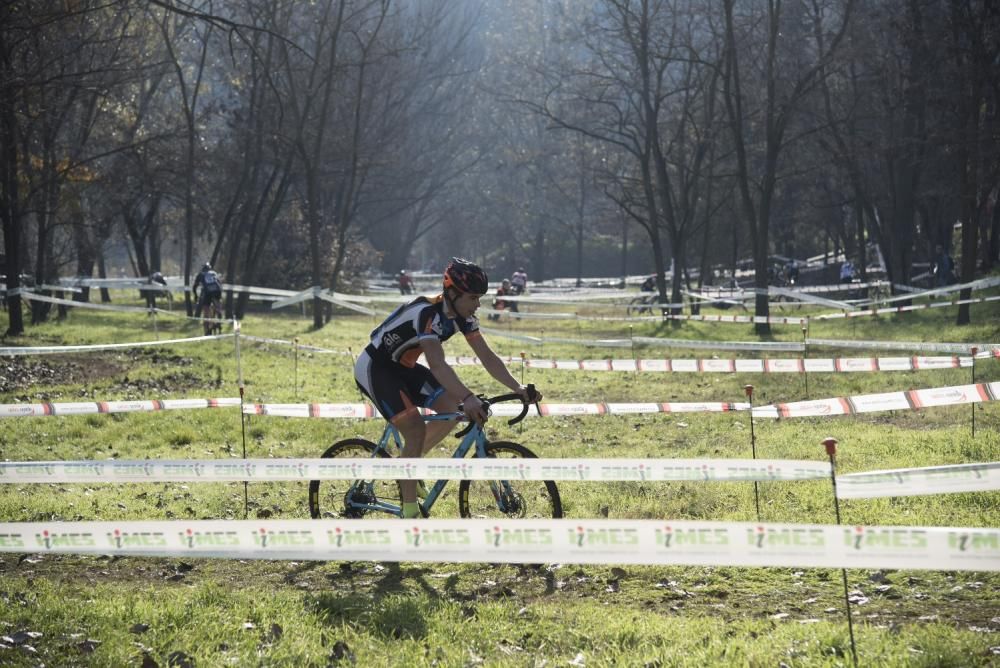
(22, 373)
(19, 374)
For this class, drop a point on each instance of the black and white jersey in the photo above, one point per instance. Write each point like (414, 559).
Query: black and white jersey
(398, 338)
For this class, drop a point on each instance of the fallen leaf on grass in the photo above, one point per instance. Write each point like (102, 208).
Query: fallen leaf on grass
(341, 652)
(858, 598)
(22, 637)
(180, 660)
(88, 645)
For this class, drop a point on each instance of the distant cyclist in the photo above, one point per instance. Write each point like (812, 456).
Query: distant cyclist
(792, 272)
(405, 283)
(387, 371)
(519, 281)
(499, 303)
(211, 287)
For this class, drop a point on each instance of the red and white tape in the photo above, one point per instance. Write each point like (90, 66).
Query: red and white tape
(774, 365)
(91, 407)
(884, 401)
(867, 403)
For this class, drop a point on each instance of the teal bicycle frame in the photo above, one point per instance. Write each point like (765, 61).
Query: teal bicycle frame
(362, 497)
(390, 437)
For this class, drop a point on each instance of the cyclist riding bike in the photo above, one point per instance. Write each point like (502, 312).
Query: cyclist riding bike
(211, 289)
(519, 281)
(387, 371)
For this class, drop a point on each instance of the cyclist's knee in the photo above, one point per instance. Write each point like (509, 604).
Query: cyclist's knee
(413, 430)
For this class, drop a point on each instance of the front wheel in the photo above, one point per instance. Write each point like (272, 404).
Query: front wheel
(512, 497)
(351, 499)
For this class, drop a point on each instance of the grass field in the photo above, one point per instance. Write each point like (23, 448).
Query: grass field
(75, 610)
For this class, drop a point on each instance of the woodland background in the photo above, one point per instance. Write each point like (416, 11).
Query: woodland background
(297, 143)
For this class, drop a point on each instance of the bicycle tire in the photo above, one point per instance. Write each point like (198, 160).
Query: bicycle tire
(476, 498)
(335, 492)
(637, 307)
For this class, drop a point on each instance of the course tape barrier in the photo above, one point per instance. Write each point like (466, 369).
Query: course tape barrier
(91, 407)
(652, 341)
(360, 411)
(301, 346)
(885, 401)
(649, 542)
(903, 400)
(867, 403)
(982, 477)
(984, 349)
(799, 320)
(776, 365)
(874, 484)
(33, 296)
(51, 350)
(230, 470)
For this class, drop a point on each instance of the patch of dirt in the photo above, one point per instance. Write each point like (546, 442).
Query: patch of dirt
(20, 374)
(23, 373)
(171, 382)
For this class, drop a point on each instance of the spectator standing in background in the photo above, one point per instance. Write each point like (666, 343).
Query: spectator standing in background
(156, 278)
(944, 267)
(846, 272)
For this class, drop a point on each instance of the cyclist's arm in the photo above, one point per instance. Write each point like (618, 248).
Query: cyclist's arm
(496, 368)
(434, 354)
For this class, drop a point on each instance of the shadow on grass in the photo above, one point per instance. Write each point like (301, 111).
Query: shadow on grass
(390, 610)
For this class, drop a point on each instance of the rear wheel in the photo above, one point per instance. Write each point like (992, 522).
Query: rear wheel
(511, 497)
(341, 498)
(639, 306)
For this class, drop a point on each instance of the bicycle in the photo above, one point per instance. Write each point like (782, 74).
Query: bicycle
(355, 499)
(878, 293)
(212, 316)
(642, 305)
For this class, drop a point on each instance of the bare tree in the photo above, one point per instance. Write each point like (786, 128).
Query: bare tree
(760, 118)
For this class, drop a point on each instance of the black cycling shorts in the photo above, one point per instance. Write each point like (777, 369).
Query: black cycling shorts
(208, 295)
(393, 388)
